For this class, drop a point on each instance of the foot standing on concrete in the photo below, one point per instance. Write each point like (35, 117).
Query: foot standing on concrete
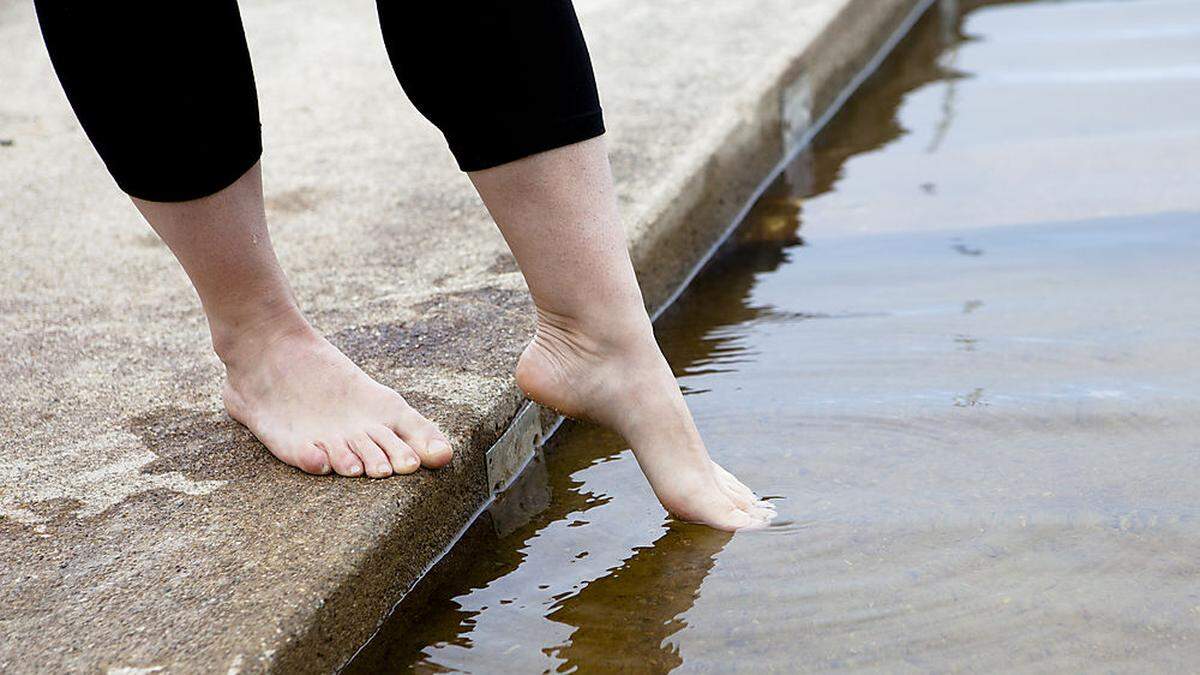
(166, 93)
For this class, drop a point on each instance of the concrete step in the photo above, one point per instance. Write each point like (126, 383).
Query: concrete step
(141, 528)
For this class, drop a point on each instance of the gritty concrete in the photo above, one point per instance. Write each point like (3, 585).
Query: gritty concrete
(143, 529)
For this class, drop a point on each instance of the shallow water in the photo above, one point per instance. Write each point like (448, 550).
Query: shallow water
(955, 343)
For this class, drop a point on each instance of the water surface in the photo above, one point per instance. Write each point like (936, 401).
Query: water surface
(956, 343)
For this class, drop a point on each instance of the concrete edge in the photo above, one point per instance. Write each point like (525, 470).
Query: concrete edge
(671, 239)
(532, 426)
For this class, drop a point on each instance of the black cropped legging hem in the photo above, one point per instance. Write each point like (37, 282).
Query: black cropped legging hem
(165, 90)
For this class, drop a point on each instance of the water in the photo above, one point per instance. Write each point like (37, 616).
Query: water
(955, 343)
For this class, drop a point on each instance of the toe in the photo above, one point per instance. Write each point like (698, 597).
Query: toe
(757, 522)
(756, 517)
(766, 513)
(425, 438)
(759, 508)
(403, 458)
(373, 458)
(731, 481)
(737, 519)
(716, 508)
(436, 452)
(310, 459)
(753, 506)
(737, 488)
(739, 500)
(343, 461)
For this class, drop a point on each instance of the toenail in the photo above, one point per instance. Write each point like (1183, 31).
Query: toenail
(409, 462)
(383, 468)
(439, 446)
(355, 470)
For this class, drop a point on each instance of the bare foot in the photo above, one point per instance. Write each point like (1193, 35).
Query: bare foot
(315, 410)
(616, 376)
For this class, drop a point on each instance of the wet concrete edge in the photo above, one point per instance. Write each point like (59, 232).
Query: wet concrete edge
(671, 236)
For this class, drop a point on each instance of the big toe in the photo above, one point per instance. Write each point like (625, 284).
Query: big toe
(423, 436)
(731, 481)
(734, 518)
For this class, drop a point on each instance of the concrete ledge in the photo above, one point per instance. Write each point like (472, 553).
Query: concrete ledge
(142, 528)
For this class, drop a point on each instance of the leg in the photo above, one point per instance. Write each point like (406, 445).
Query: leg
(308, 403)
(179, 132)
(510, 85)
(594, 355)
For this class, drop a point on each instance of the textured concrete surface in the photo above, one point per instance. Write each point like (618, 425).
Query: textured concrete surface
(143, 529)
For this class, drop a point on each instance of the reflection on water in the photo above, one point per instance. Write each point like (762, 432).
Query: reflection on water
(969, 386)
(639, 604)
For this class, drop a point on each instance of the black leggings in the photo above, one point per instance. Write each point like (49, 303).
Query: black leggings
(165, 91)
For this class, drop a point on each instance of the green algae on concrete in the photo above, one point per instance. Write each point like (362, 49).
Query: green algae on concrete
(144, 529)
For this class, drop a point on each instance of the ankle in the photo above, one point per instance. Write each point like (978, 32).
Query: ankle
(241, 337)
(611, 329)
(610, 372)
(602, 358)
